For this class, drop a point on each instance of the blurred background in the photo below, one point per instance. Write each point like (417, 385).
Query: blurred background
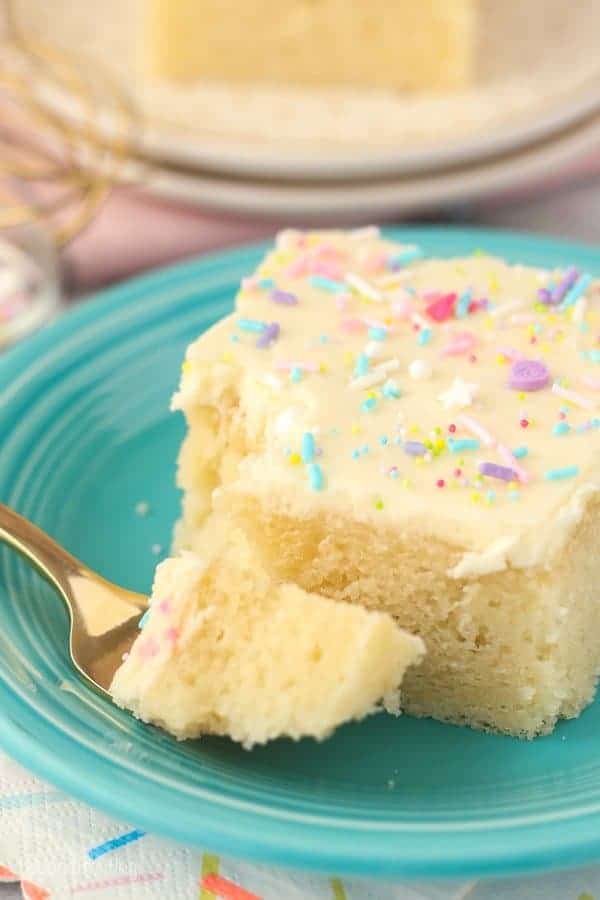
(138, 132)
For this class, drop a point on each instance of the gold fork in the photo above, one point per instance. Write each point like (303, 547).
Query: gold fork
(104, 617)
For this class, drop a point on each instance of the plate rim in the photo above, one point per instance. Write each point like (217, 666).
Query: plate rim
(547, 844)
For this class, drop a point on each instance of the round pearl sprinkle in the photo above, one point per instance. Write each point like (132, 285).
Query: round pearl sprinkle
(528, 375)
(419, 370)
(440, 483)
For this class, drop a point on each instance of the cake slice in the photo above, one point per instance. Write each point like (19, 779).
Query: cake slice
(419, 437)
(226, 650)
(405, 44)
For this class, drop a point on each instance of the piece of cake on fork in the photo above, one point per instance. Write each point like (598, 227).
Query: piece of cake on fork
(416, 436)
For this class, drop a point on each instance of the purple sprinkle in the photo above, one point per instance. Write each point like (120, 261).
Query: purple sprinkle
(544, 295)
(559, 291)
(415, 448)
(270, 334)
(528, 375)
(283, 297)
(496, 471)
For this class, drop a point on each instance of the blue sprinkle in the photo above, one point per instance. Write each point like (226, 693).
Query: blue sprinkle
(594, 356)
(390, 389)
(234, 338)
(462, 307)
(577, 291)
(295, 374)
(328, 284)
(514, 495)
(595, 423)
(377, 334)
(267, 284)
(538, 328)
(251, 325)
(383, 440)
(394, 473)
(362, 365)
(323, 338)
(398, 440)
(565, 409)
(315, 474)
(457, 445)
(561, 428)
(355, 454)
(584, 327)
(520, 452)
(369, 404)
(144, 620)
(308, 447)
(490, 496)
(559, 474)
(364, 449)
(403, 257)
(424, 337)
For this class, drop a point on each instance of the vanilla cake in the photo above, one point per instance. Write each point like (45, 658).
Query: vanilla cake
(405, 44)
(226, 650)
(417, 436)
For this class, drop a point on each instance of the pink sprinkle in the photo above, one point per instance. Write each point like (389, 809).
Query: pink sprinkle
(299, 267)
(510, 353)
(374, 263)
(461, 343)
(374, 323)
(508, 458)
(328, 268)
(165, 606)
(477, 429)
(591, 382)
(148, 648)
(250, 283)
(442, 308)
(430, 296)
(522, 319)
(172, 634)
(573, 397)
(402, 308)
(352, 325)
(341, 301)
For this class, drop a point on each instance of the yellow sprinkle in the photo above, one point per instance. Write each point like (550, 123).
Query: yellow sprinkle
(475, 497)
(355, 428)
(489, 322)
(419, 461)
(521, 395)
(295, 459)
(348, 359)
(414, 429)
(439, 445)
(428, 444)
(406, 483)
(437, 430)
(372, 395)
(186, 367)
(227, 357)
(501, 359)
(494, 284)
(323, 368)
(545, 347)
(552, 319)
(313, 238)
(461, 462)
(540, 308)
(379, 504)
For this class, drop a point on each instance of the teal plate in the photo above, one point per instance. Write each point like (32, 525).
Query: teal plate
(85, 435)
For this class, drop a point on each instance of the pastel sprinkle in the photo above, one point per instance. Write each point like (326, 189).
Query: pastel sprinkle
(352, 325)
(490, 496)
(461, 343)
(493, 470)
(477, 429)
(419, 370)
(266, 284)
(375, 376)
(295, 374)
(252, 325)
(559, 474)
(558, 291)
(457, 445)
(514, 495)
(328, 284)
(390, 389)
(561, 428)
(577, 291)
(442, 309)
(528, 375)
(509, 458)
(362, 364)
(284, 298)
(363, 287)
(383, 440)
(424, 336)
(462, 307)
(315, 474)
(403, 257)
(573, 397)
(377, 334)
(415, 448)
(269, 335)
(520, 452)
(369, 404)
(308, 447)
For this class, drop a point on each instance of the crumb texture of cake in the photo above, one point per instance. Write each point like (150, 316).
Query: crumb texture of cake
(416, 436)
(226, 650)
(423, 45)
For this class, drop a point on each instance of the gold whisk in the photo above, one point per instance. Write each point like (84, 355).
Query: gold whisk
(59, 157)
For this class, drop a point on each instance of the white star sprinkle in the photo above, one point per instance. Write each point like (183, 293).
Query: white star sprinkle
(459, 395)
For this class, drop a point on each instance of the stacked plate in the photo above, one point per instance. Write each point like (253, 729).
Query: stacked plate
(345, 155)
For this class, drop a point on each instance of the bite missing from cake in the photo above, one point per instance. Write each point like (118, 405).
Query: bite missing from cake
(419, 437)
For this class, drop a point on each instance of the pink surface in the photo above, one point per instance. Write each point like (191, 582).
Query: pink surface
(134, 231)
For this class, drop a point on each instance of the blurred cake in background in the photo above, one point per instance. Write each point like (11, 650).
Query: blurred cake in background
(406, 44)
